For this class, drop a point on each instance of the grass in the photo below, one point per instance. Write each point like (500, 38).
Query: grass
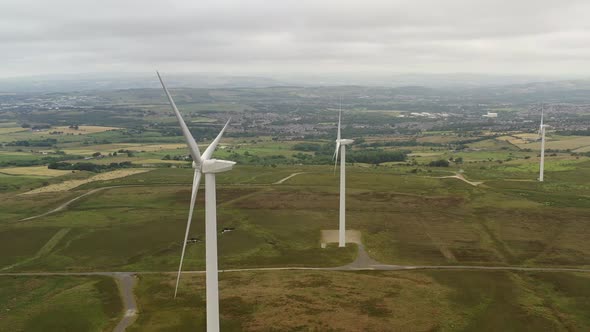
(33, 171)
(499, 301)
(404, 219)
(9, 130)
(556, 142)
(58, 304)
(71, 184)
(146, 233)
(375, 301)
(82, 130)
(11, 183)
(18, 244)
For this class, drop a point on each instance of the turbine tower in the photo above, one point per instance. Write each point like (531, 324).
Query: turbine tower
(542, 128)
(203, 164)
(341, 145)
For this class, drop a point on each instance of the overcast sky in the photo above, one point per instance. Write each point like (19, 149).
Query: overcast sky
(533, 37)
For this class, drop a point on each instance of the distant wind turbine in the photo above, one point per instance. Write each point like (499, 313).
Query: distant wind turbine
(203, 164)
(341, 145)
(542, 128)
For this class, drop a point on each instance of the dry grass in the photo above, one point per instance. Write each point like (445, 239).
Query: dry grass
(532, 141)
(159, 161)
(516, 140)
(34, 171)
(9, 130)
(71, 184)
(106, 148)
(82, 130)
(299, 301)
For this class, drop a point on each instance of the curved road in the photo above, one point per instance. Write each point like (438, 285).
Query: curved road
(288, 177)
(66, 204)
(126, 282)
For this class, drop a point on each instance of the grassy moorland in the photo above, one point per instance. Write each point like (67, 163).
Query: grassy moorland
(404, 217)
(455, 198)
(371, 301)
(58, 304)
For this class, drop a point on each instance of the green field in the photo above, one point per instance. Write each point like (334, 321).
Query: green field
(404, 218)
(58, 304)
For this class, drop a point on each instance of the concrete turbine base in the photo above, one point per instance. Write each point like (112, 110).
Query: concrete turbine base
(332, 236)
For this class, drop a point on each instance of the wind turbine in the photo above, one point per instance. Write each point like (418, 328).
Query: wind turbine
(203, 164)
(542, 128)
(341, 145)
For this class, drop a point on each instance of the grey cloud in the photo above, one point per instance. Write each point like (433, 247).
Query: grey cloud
(284, 37)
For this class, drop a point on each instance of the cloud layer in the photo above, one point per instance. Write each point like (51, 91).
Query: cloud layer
(542, 37)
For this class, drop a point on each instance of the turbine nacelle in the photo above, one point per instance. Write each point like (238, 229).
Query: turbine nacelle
(344, 141)
(216, 166)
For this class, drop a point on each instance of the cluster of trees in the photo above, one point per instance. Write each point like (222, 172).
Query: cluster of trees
(273, 160)
(128, 152)
(585, 132)
(36, 127)
(90, 167)
(308, 147)
(400, 143)
(439, 163)
(36, 162)
(376, 157)
(48, 142)
(177, 157)
(323, 154)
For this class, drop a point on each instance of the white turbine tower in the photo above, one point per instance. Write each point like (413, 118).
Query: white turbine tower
(542, 128)
(203, 164)
(341, 145)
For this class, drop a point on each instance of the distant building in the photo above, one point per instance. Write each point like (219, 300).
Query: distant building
(490, 115)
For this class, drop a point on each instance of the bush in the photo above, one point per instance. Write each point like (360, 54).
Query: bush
(439, 163)
(307, 147)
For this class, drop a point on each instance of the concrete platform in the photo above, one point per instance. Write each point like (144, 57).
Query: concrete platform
(331, 236)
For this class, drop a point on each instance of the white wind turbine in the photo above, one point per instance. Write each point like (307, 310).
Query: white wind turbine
(203, 164)
(542, 128)
(341, 145)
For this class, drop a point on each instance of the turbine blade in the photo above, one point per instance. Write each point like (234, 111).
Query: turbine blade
(339, 116)
(196, 181)
(211, 148)
(541, 125)
(190, 140)
(336, 156)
